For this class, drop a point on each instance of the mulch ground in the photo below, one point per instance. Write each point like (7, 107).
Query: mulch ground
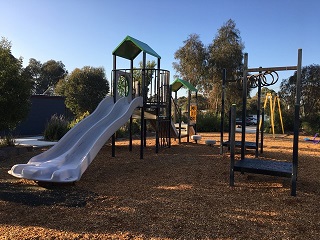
(182, 192)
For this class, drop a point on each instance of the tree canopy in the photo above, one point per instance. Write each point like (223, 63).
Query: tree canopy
(45, 76)
(84, 89)
(202, 65)
(191, 65)
(15, 88)
(226, 51)
(310, 88)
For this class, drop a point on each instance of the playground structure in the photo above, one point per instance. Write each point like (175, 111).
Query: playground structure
(253, 83)
(264, 78)
(190, 128)
(137, 93)
(273, 102)
(255, 165)
(150, 92)
(151, 84)
(69, 158)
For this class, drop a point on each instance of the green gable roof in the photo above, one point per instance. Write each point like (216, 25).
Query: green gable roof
(130, 48)
(178, 83)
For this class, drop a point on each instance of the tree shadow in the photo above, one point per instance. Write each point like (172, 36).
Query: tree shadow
(44, 194)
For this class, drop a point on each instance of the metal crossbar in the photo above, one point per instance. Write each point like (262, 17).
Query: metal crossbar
(272, 69)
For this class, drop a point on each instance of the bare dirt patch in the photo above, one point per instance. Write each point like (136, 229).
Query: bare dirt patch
(180, 193)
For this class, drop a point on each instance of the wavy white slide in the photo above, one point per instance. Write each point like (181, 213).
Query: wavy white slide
(70, 157)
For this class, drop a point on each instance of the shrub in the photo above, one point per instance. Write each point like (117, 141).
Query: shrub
(123, 131)
(208, 122)
(288, 121)
(311, 124)
(56, 128)
(77, 120)
(7, 141)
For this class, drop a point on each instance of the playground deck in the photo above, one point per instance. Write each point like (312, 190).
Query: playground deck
(266, 166)
(248, 145)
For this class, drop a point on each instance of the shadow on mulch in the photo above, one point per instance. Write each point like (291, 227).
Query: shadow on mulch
(45, 194)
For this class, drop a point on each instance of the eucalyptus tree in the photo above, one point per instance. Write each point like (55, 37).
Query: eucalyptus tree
(202, 65)
(191, 62)
(226, 51)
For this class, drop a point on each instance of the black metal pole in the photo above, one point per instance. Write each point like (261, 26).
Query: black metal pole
(258, 115)
(195, 124)
(262, 130)
(296, 127)
(113, 139)
(224, 76)
(244, 104)
(158, 107)
(130, 126)
(232, 142)
(188, 122)
(144, 94)
(169, 115)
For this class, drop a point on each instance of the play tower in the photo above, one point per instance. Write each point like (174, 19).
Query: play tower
(152, 84)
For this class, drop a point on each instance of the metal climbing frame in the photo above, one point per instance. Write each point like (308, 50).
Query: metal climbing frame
(264, 78)
(268, 167)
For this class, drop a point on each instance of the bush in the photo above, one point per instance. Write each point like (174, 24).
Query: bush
(7, 141)
(288, 121)
(77, 120)
(56, 128)
(208, 122)
(123, 131)
(311, 124)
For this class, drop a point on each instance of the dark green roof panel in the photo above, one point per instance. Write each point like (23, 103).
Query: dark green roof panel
(130, 48)
(178, 83)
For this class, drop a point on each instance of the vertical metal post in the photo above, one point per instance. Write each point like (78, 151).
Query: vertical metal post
(158, 107)
(180, 125)
(224, 76)
(244, 104)
(188, 123)
(113, 139)
(130, 126)
(144, 95)
(195, 124)
(175, 106)
(232, 142)
(170, 111)
(296, 127)
(258, 114)
(262, 130)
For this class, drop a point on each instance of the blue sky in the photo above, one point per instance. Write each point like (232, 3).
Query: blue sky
(85, 32)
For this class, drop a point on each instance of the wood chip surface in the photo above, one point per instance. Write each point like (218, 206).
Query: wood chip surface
(181, 192)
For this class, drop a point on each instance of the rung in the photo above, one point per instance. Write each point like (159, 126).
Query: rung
(272, 69)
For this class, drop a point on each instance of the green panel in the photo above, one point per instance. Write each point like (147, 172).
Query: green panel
(178, 83)
(130, 48)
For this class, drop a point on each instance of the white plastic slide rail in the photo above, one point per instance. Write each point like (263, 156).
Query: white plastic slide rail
(71, 156)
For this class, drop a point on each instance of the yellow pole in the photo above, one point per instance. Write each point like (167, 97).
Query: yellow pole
(271, 113)
(279, 106)
(264, 106)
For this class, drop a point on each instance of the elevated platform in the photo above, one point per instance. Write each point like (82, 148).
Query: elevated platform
(248, 145)
(267, 167)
